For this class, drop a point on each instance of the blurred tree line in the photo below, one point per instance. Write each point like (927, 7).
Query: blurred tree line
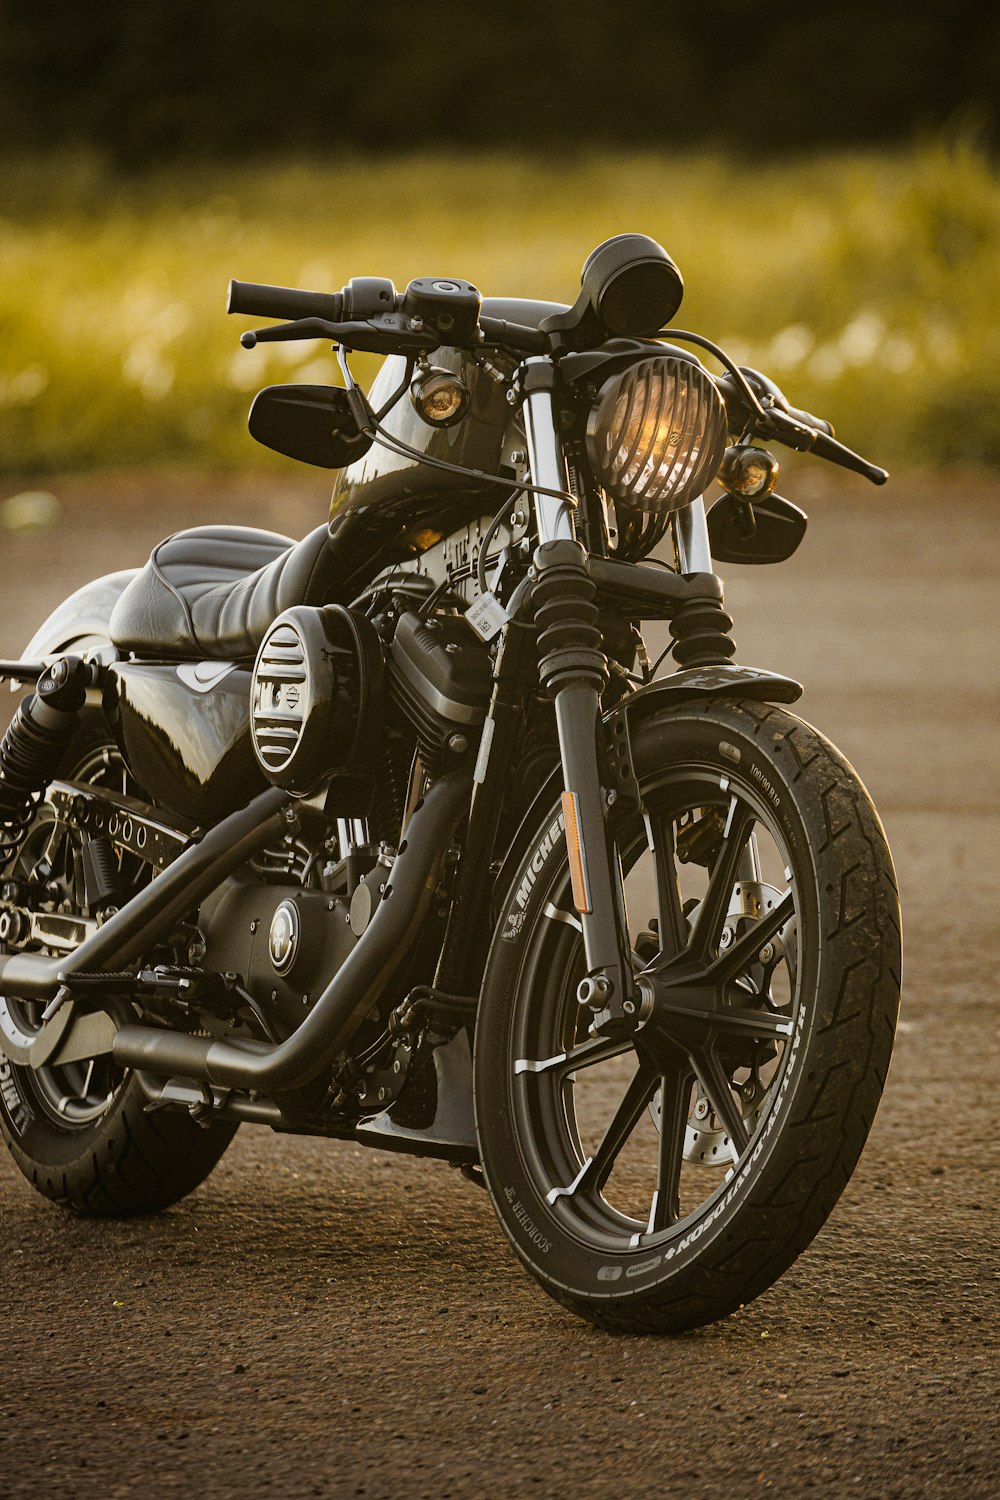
(159, 81)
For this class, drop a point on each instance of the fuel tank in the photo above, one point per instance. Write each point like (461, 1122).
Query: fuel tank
(184, 731)
(387, 506)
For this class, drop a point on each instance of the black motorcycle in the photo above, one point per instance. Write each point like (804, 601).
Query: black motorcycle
(395, 834)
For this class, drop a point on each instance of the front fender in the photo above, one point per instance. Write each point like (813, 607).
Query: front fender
(729, 681)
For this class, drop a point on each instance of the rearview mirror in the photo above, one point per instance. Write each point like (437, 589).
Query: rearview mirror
(778, 528)
(312, 423)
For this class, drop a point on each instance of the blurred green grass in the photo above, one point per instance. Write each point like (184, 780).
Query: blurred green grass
(867, 285)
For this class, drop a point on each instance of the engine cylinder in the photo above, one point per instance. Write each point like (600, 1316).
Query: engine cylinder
(440, 677)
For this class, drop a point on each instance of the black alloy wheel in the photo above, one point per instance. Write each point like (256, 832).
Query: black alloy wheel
(658, 1180)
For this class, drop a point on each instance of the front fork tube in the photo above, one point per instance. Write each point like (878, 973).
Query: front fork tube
(594, 867)
(694, 550)
(573, 671)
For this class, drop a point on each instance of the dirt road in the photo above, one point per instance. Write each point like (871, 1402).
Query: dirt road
(323, 1320)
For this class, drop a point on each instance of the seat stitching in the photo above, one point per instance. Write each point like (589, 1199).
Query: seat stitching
(185, 607)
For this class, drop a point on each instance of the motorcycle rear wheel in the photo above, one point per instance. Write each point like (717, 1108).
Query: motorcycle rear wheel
(82, 1134)
(657, 1184)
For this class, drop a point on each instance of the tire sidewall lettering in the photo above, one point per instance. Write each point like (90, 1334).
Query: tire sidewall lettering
(16, 1108)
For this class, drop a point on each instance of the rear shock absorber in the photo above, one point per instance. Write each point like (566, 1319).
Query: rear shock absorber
(34, 744)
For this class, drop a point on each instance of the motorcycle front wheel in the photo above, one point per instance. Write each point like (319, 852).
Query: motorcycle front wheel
(656, 1182)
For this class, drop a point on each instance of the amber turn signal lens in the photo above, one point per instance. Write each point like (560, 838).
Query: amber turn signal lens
(749, 473)
(440, 397)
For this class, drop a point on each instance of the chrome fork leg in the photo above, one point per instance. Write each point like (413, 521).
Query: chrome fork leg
(545, 457)
(694, 551)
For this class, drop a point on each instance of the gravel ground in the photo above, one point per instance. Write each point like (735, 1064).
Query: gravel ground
(323, 1320)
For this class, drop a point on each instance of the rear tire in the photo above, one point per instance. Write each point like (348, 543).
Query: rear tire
(81, 1135)
(125, 1163)
(750, 1134)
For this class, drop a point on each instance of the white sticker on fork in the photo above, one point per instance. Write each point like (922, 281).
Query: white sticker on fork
(487, 617)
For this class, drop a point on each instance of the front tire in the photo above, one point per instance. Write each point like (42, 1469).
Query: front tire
(656, 1185)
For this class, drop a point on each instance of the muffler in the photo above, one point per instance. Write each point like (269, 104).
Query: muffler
(351, 993)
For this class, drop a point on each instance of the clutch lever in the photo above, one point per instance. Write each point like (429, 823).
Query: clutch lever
(391, 333)
(301, 328)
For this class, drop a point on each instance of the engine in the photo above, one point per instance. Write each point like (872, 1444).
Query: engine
(440, 679)
(326, 694)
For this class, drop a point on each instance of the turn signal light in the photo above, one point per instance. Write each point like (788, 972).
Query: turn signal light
(439, 397)
(749, 473)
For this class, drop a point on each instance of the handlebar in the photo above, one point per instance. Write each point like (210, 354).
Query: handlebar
(771, 417)
(370, 315)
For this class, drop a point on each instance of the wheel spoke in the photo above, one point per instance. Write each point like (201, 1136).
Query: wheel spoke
(742, 954)
(715, 907)
(597, 1169)
(737, 1021)
(669, 916)
(675, 1088)
(712, 1077)
(729, 1019)
(600, 1049)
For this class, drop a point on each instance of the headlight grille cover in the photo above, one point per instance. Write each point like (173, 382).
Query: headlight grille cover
(657, 433)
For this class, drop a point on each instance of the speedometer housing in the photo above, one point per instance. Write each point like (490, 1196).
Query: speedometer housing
(656, 433)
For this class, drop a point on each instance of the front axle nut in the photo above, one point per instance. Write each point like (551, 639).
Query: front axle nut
(594, 992)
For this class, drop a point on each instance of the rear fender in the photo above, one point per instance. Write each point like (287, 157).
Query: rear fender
(729, 681)
(84, 616)
(79, 622)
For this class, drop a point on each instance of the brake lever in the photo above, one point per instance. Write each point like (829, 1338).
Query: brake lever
(798, 435)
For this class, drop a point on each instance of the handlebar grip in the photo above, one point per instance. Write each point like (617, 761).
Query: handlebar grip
(264, 301)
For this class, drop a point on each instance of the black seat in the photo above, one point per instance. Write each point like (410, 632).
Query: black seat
(213, 591)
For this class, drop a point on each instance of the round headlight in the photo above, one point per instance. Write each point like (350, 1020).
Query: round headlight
(657, 433)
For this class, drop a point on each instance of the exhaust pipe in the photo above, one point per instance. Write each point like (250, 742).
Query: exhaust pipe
(348, 997)
(155, 911)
